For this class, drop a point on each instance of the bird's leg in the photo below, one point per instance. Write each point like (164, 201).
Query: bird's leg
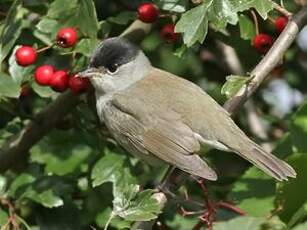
(209, 215)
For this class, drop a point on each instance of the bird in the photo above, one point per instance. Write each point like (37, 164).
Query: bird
(159, 116)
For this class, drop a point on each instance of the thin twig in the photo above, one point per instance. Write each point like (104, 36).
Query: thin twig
(255, 19)
(281, 9)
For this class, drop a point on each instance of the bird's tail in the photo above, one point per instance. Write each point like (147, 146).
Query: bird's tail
(267, 162)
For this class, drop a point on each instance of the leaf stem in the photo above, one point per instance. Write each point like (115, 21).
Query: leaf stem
(112, 215)
(44, 48)
(255, 19)
(281, 9)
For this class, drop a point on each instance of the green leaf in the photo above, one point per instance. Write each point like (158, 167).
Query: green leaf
(8, 87)
(245, 222)
(46, 198)
(254, 193)
(133, 205)
(198, 18)
(84, 16)
(233, 84)
(107, 169)
(20, 183)
(60, 9)
(123, 18)
(13, 26)
(181, 222)
(117, 222)
(178, 6)
(46, 30)
(43, 91)
(298, 216)
(3, 217)
(261, 6)
(60, 155)
(86, 46)
(298, 128)
(47, 25)
(221, 12)
(247, 28)
(292, 195)
(40, 191)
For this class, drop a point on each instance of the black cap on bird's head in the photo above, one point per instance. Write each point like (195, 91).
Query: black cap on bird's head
(112, 53)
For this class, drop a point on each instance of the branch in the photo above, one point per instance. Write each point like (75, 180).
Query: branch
(270, 60)
(18, 146)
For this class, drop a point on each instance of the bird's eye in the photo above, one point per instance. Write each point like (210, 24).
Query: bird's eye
(112, 68)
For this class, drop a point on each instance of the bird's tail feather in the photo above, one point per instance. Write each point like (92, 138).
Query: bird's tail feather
(267, 162)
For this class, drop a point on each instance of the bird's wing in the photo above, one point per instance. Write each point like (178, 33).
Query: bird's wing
(163, 135)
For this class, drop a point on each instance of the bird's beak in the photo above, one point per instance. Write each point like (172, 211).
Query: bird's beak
(90, 72)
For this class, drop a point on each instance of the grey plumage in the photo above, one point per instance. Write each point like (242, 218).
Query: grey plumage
(156, 114)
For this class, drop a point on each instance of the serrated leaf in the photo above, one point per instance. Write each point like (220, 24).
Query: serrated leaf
(261, 6)
(133, 205)
(8, 87)
(107, 168)
(254, 192)
(233, 84)
(123, 18)
(299, 215)
(198, 18)
(178, 6)
(245, 222)
(11, 30)
(247, 28)
(221, 13)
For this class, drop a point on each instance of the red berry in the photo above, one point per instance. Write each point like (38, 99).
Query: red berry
(148, 12)
(59, 81)
(25, 55)
(78, 85)
(262, 43)
(280, 24)
(44, 74)
(66, 37)
(168, 33)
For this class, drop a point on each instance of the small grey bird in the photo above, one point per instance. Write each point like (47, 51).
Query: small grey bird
(157, 115)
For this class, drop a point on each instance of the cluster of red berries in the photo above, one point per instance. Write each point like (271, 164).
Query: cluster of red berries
(46, 75)
(262, 42)
(149, 13)
(60, 80)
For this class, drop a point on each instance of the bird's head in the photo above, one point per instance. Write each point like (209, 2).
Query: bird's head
(115, 65)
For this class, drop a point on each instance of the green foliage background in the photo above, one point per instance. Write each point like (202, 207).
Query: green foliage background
(77, 177)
